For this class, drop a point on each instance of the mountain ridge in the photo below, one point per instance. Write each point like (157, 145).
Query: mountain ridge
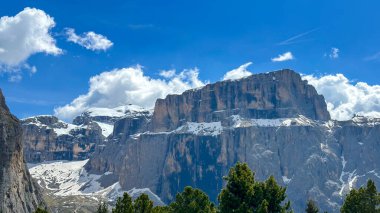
(276, 122)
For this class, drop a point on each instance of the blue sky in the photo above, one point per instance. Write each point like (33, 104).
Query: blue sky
(213, 36)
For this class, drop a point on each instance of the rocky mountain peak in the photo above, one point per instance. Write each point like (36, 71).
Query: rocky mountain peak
(109, 115)
(279, 94)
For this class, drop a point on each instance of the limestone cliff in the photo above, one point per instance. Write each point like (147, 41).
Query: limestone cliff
(272, 95)
(47, 138)
(18, 193)
(275, 122)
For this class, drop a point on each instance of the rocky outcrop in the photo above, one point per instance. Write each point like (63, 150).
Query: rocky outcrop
(18, 193)
(272, 95)
(275, 122)
(46, 138)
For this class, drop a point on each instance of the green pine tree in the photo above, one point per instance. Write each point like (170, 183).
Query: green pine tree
(143, 204)
(243, 194)
(123, 205)
(239, 191)
(162, 209)
(40, 210)
(192, 201)
(362, 200)
(311, 207)
(264, 207)
(102, 207)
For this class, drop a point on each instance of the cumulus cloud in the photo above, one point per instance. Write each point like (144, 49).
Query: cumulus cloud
(283, 57)
(128, 86)
(239, 72)
(334, 54)
(23, 35)
(89, 40)
(344, 98)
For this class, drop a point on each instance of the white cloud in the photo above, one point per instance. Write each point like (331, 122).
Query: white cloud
(167, 73)
(373, 57)
(15, 78)
(297, 38)
(283, 57)
(334, 53)
(239, 72)
(23, 35)
(128, 86)
(89, 40)
(344, 98)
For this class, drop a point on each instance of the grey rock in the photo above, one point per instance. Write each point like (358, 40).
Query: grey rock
(18, 193)
(48, 138)
(281, 94)
(275, 122)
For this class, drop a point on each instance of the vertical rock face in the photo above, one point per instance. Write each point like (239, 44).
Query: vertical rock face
(46, 138)
(275, 122)
(18, 193)
(281, 94)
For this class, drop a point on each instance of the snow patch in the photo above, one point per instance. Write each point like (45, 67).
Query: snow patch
(347, 179)
(286, 180)
(278, 122)
(67, 178)
(121, 111)
(213, 128)
(107, 129)
(365, 120)
(66, 130)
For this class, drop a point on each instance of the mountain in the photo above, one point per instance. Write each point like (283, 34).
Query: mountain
(276, 122)
(47, 138)
(18, 193)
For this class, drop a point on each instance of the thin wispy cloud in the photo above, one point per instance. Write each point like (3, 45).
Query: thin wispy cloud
(334, 53)
(140, 26)
(296, 38)
(373, 57)
(283, 57)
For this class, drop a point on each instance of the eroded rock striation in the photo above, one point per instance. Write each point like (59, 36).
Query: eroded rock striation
(47, 138)
(271, 95)
(18, 193)
(275, 122)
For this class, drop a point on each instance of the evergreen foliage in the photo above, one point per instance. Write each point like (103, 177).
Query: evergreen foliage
(362, 200)
(102, 207)
(123, 205)
(143, 204)
(40, 210)
(311, 207)
(192, 201)
(161, 209)
(244, 194)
